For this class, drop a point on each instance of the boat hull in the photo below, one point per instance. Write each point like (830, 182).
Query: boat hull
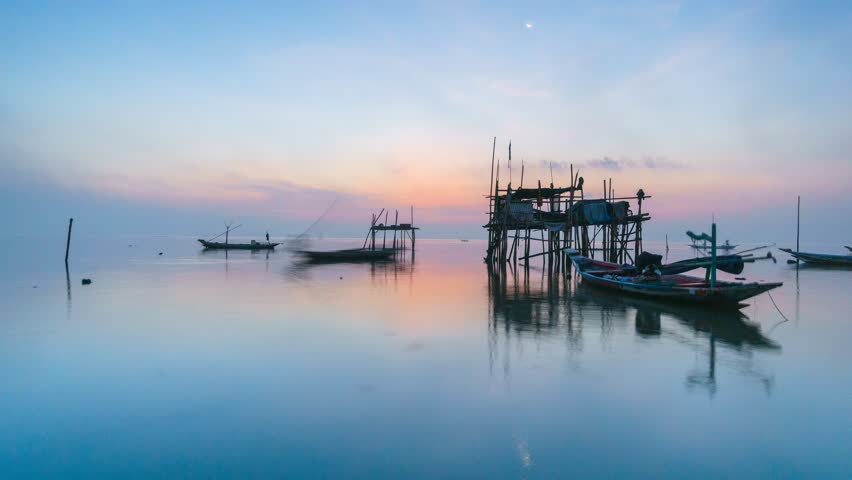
(820, 258)
(677, 288)
(352, 255)
(237, 246)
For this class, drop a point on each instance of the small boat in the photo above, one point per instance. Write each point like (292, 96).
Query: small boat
(725, 246)
(349, 255)
(237, 246)
(821, 258)
(670, 287)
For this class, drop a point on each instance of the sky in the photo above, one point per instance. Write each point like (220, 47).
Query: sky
(172, 117)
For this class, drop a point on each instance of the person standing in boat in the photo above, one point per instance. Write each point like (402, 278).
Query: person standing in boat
(267, 237)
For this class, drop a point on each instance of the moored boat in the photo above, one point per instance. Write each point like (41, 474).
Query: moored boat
(821, 258)
(670, 287)
(237, 246)
(348, 255)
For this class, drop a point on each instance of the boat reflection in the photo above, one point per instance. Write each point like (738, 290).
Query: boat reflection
(556, 304)
(302, 268)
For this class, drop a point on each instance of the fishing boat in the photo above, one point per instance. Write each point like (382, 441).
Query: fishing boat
(725, 246)
(370, 251)
(348, 255)
(211, 245)
(674, 287)
(821, 258)
(237, 246)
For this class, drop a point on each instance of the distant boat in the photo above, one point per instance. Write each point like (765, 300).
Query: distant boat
(237, 246)
(821, 258)
(682, 288)
(349, 255)
(211, 245)
(725, 246)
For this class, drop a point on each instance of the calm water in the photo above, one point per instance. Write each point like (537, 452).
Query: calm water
(192, 364)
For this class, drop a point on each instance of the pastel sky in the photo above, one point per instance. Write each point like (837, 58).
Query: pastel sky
(171, 116)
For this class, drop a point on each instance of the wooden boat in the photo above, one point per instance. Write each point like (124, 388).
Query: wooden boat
(820, 258)
(683, 288)
(238, 246)
(724, 246)
(349, 255)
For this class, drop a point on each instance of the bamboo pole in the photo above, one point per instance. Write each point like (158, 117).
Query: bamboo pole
(385, 232)
(522, 173)
(713, 258)
(396, 227)
(491, 183)
(798, 216)
(68, 241)
(525, 257)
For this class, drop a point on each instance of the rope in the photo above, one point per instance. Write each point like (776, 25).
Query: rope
(776, 307)
(320, 218)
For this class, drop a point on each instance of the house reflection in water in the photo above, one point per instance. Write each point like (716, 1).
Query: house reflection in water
(553, 303)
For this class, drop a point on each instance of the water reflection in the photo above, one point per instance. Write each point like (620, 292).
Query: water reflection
(68, 289)
(557, 304)
(303, 269)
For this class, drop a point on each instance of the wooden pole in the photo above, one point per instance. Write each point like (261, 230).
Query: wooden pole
(413, 235)
(68, 240)
(385, 233)
(604, 252)
(522, 173)
(396, 226)
(491, 183)
(505, 227)
(713, 257)
(798, 215)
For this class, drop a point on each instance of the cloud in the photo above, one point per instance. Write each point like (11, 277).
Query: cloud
(606, 163)
(661, 163)
(613, 164)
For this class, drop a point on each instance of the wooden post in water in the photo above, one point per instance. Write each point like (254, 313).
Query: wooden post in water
(713, 257)
(413, 235)
(68, 241)
(385, 232)
(372, 234)
(798, 215)
(396, 226)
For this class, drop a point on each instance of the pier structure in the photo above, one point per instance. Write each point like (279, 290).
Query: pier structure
(556, 218)
(406, 232)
